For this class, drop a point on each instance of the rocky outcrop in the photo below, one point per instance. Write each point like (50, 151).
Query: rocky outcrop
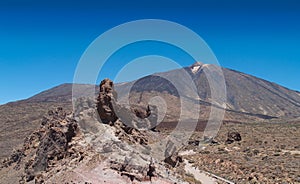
(148, 116)
(132, 125)
(116, 149)
(110, 111)
(46, 146)
(118, 116)
(106, 99)
(53, 142)
(135, 172)
(233, 136)
(142, 113)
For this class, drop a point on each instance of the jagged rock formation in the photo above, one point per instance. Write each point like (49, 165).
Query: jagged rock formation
(45, 147)
(128, 126)
(70, 143)
(53, 141)
(58, 150)
(107, 108)
(110, 111)
(106, 100)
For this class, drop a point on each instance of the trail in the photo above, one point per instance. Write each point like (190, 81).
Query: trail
(202, 176)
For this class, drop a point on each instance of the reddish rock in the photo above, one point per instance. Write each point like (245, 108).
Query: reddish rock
(107, 97)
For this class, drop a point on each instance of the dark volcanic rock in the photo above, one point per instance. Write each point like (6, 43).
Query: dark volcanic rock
(48, 144)
(15, 157)
(194, 142)
(233, 136)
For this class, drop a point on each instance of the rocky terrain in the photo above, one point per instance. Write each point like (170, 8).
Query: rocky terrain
(20, 119)
(261, 153)
(81, 148)
(100, 138)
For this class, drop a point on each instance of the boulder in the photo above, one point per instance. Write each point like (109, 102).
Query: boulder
(233, 136)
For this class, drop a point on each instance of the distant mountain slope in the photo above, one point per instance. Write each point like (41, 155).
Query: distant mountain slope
(245, 93)
(61, 93)
(251, 94)
(249, 99)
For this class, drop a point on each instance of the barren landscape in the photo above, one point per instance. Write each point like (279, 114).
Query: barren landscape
(149, 92)
(101, 140)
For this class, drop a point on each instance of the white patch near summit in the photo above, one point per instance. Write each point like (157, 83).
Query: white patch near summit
(195, 69)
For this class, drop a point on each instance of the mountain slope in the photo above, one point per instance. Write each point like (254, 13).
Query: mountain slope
(245, 94)
(249, 99)
(61, 93)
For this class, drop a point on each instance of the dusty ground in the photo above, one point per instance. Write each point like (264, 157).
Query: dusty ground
(267, 153)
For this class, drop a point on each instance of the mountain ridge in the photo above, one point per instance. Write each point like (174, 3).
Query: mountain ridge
(241, 90)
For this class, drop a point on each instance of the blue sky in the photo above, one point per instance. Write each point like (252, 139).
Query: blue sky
(41, 41)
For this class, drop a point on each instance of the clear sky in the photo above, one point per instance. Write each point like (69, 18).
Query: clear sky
(41, 41)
